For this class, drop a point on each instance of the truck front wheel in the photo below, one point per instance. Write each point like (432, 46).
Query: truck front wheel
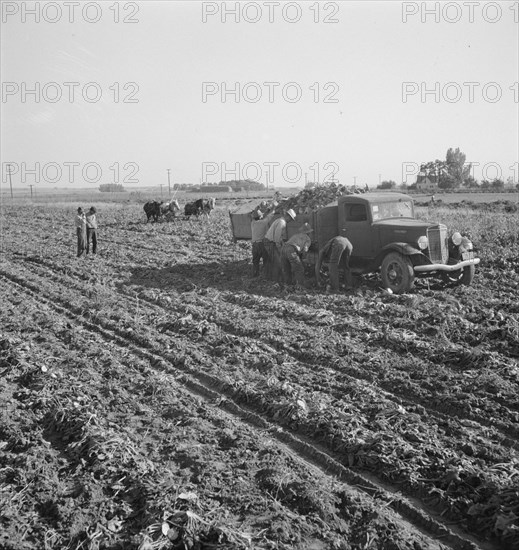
(397, 273)
(462, 276)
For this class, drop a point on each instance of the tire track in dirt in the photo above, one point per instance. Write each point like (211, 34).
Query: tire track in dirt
(204, 385)
(344, 370)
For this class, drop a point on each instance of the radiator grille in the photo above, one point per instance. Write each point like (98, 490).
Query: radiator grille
(438, 245)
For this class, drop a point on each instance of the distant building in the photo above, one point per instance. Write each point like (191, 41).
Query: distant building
(426, 184)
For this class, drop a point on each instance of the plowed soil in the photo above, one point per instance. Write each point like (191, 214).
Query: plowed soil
(156, 396)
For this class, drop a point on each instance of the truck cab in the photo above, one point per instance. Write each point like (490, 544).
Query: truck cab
(371, 222)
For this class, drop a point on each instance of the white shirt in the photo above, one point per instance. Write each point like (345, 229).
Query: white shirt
(277, 231)
(80, 221)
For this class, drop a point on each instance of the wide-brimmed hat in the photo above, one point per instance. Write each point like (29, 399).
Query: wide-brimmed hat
(305, 228)
(291, 213)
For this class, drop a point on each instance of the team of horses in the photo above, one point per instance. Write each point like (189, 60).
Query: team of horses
(155, 209)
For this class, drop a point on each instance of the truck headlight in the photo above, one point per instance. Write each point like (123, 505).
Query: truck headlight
(423, 242)
(456, 238)
(467, 243)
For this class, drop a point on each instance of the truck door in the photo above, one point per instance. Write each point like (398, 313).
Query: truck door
(355, 225)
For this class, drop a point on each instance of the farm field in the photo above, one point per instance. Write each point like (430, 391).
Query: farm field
(476, 198)
(156, 396)
(139, 195)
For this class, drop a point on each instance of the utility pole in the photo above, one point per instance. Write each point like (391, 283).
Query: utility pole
(161, 186)
(10, 182)
(31, 186)
(169, 182)
(379, 179)
(354, 180)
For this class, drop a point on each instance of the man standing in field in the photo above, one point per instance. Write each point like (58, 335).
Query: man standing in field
(91, 230)
(335, 252)
(274, 238)
(80, 231)
(291, 255)
(259, 226)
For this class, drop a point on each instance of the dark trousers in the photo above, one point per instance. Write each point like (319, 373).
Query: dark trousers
(91, 236)
(291, 265)
(274, 260)
(258, 253)
(340, 257)
(80, 241)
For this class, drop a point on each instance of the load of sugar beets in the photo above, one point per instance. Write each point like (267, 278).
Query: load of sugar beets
(312, 199)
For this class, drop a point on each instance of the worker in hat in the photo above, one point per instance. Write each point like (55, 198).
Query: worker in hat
(274, 239)
(336, 253)
(291, 255)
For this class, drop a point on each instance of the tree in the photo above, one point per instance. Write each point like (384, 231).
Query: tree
(471, 183)
(498, 185)
(387, 184)
(449, 173)
(455, 165)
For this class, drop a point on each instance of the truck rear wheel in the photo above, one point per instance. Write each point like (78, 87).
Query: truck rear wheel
(397, 273)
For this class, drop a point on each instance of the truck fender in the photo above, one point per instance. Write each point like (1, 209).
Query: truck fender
(403, 248)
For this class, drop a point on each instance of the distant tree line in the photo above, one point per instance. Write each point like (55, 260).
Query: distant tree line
(111, 188)
(228, 186)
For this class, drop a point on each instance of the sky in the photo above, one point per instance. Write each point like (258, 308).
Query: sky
(280, 92)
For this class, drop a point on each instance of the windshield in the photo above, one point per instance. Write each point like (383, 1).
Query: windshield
(397, 209)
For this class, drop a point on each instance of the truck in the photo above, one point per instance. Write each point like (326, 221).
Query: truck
(386, 237)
